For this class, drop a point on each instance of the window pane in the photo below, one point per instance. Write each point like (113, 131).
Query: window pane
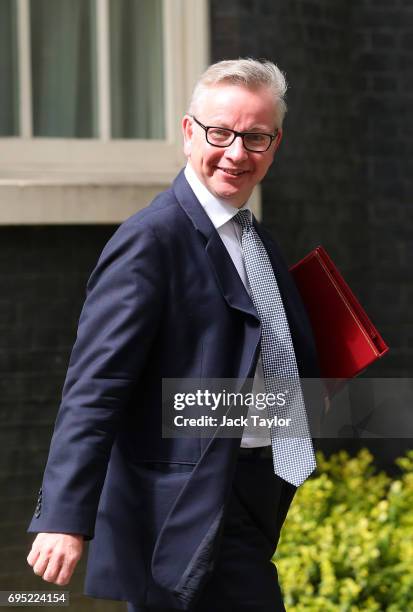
(63, 87)
(136, 47)
(8, 70)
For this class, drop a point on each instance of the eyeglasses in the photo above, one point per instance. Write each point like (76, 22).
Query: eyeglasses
(224, 137)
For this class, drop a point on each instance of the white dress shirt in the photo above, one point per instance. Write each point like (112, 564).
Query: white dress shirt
(221, 214)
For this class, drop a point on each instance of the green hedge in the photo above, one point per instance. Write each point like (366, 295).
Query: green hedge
(347, 543)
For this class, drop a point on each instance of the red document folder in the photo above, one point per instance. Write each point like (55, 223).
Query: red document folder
(346, 339)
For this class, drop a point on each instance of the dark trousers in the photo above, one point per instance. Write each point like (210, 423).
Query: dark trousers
(244, 579)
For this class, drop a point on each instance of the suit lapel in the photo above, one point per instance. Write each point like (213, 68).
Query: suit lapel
(228, 279)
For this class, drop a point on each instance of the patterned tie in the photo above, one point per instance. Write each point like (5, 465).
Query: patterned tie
(292, 448)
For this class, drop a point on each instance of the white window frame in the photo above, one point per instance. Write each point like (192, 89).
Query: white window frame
(29, 161)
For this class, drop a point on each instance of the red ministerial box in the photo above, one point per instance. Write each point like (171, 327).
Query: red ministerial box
(346, 339)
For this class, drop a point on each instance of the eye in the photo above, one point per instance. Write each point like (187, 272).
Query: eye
(257, 138)
(219, 134)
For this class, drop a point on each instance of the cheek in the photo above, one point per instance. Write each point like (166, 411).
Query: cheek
(212, 158)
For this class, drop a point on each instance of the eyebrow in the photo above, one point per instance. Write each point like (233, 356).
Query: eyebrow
(254, 128)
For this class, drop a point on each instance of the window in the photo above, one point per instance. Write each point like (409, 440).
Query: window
(66, 66)
(95, 89)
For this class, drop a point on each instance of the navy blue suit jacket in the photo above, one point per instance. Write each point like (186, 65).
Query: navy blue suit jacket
(164, 301)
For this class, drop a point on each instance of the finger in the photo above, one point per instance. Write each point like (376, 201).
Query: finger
(40, 566)
(66, 570)
(52, 570)
(33, 556)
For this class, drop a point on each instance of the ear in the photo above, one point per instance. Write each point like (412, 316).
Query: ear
(187, 132)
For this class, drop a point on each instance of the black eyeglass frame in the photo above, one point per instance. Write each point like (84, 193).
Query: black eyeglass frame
(236, 134)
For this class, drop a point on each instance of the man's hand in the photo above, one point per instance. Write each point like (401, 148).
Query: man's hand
(54, 556)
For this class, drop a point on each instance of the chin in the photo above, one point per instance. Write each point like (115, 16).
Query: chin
(227, 191)
(230, 196)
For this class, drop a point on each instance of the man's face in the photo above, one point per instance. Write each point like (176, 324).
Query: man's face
(232, 172)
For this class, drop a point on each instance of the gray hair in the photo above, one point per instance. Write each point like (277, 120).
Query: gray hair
(247, 72)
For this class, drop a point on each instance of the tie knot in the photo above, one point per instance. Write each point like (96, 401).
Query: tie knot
(243, 218)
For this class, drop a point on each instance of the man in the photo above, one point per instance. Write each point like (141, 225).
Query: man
(185, 523)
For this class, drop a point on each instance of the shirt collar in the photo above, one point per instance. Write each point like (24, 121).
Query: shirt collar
(219, 211)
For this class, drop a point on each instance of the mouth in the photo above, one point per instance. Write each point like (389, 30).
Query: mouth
(233, 172)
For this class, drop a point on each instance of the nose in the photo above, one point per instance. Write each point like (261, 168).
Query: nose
(236, 151)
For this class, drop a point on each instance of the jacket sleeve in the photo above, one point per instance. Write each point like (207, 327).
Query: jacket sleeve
(117, 326)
